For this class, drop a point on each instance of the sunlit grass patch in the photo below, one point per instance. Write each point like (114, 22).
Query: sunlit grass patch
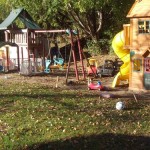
(34, 115)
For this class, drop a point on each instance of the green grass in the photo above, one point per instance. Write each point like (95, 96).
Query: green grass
(37, 116)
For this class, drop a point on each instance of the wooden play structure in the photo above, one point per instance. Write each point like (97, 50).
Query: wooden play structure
(31, 46)
(134, 49)
(23, 46)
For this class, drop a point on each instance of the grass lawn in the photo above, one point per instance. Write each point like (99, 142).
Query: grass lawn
(36, 116)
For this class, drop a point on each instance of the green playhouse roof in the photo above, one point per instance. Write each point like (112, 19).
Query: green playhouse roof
(23, 15)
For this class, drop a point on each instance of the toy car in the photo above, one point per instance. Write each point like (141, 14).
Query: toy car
(117, 65)
(93, 86)
(107, 69)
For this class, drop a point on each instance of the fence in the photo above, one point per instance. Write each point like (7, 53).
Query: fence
(30, 67)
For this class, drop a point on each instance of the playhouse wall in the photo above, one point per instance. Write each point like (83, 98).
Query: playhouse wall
(139, 42)
(136, 76)
(12, 57)
(126, 28)
(2, 56)
(23, 53)
(134, 42)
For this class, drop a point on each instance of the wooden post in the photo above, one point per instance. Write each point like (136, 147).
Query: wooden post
(6, 36)
(68, 67)
(135, 97)
(74, 57)
(34, 59)
(22, 54)
(57, 81)
(7, 58)
(43, 53)
(18, 58)
(80, 53)
(28, 45)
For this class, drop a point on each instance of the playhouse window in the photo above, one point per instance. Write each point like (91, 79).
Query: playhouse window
(137, 65)
(144, 26)
(147, 65)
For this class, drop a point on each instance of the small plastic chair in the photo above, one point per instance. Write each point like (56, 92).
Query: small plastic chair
(47, 69)
(58, 61)
(1, 68)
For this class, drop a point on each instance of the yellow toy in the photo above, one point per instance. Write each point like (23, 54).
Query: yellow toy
(124, 55)
(92, 66)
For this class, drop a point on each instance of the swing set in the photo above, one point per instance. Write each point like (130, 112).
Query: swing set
(54, 58)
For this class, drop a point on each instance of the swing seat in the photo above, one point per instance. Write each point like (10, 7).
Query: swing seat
(47, 69)
(1, 68)
(58, 61)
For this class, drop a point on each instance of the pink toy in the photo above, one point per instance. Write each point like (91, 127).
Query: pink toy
(98, 86)
(92, 70)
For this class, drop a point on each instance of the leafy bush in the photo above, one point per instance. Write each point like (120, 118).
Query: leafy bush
(98, 47)
(111, 51)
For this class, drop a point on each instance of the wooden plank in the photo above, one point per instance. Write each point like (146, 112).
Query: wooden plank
(49, 31)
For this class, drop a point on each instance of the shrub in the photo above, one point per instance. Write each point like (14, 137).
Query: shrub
(98, 47)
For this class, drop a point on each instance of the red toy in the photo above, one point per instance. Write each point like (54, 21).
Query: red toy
(92, 66)
(98, 86)
(92, 70)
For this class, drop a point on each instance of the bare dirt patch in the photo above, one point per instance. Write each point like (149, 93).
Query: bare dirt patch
(50, 80)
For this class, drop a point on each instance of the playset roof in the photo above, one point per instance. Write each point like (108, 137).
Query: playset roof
(23, 15)
(140, 9)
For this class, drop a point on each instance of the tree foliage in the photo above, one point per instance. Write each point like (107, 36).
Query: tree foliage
(95, 18)
(91, 15)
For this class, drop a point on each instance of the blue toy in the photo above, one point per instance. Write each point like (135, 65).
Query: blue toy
(1, 68)
(47, 69)
(58, 61)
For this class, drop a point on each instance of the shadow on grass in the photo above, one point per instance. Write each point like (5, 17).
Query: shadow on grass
(106, 141)
(57, 98)
(54, 98)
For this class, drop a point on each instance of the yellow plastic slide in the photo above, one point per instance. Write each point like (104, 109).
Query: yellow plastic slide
(124, 55)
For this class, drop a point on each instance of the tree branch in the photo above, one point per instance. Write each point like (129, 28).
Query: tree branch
(99, 21)
(76, 17)
(89, 23)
